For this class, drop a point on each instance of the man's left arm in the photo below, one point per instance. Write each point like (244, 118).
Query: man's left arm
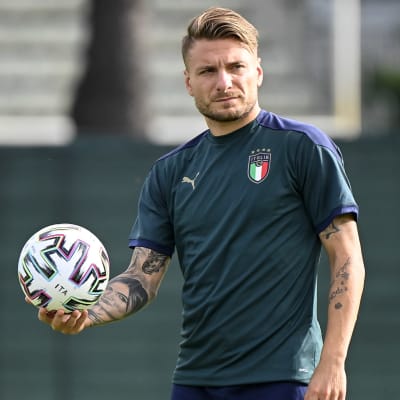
(341, 242)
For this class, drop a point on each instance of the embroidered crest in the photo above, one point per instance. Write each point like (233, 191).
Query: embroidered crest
(259, 165)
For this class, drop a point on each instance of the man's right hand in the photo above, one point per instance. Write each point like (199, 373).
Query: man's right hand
(66, 323)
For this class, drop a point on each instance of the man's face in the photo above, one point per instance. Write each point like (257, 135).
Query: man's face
(223, 76)
(116, 297)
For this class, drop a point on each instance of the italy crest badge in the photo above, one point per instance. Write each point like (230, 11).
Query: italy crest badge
(259, 165)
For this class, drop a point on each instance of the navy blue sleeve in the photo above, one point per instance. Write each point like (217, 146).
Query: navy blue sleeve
(325, 187)
(152, 228)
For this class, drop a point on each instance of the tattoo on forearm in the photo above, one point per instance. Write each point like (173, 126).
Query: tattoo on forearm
(124, 295)
(95, 317)
(154, 263)
(330, 230)
(339, 284)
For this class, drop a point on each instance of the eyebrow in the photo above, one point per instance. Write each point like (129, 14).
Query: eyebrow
(214, 66)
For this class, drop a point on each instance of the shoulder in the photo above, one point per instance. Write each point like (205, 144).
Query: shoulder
(167, 167)
(184, 148)
(300, 130)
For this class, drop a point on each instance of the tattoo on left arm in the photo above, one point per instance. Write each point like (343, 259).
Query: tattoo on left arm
(339, 284)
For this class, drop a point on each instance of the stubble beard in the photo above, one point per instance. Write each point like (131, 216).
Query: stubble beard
(226, 115)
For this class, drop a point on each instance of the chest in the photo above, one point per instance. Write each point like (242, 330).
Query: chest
(220, 187)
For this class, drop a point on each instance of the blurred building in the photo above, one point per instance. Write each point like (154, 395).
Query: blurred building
(40, 60)
(44, 59)
(316, 55)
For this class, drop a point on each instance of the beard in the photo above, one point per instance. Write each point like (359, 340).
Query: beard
(227, 114)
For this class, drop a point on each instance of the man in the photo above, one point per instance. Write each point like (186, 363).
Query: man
(247, 205)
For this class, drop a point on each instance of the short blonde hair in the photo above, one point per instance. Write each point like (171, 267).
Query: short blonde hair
(220, 23)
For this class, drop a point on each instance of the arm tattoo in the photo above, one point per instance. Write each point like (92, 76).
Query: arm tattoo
(124, 295)
(150, 260)
(339, 284)
(154, 262)
(330, 230)
(95, 317)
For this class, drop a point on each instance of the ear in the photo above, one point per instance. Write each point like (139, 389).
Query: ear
(187, 82)
(260, 72)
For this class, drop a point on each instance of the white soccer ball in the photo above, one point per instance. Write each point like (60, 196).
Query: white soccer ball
(63, 266)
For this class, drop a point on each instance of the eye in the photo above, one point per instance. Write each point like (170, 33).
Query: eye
(123, 298)
(207, 70)
(237, 67)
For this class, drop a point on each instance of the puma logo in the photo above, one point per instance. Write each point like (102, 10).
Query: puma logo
(191, 181)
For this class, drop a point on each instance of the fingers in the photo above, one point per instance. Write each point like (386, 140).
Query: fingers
(46, 316)
(66, 323)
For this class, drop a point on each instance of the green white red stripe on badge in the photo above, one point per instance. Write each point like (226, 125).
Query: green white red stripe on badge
(258, 171)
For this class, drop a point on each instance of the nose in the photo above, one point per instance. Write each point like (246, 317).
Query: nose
(224, 81)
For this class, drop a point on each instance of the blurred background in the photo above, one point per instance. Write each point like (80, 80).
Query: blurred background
(91, 93)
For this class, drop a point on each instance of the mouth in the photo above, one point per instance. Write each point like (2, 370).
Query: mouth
(225, 99)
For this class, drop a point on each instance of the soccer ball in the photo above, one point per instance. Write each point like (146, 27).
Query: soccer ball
(63, 266)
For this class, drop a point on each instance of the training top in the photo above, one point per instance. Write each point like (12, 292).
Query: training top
(243, 212)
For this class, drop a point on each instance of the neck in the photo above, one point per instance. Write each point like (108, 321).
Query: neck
(221, 128)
